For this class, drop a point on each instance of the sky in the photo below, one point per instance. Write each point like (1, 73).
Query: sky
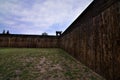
(39, 16)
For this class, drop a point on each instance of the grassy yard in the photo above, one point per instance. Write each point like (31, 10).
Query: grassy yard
(42, 64)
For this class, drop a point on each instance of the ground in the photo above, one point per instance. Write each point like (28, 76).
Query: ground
(42, 64)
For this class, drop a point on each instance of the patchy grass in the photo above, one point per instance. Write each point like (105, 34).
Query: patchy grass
(42, 64)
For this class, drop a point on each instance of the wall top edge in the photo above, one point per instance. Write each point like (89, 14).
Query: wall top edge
(26, 35)
(95, 8)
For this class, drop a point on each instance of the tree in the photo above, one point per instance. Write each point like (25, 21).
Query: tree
(44, 34)
(7, 32)
(3, 31)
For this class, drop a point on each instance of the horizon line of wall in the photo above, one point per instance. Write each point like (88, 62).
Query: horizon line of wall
(93, 38)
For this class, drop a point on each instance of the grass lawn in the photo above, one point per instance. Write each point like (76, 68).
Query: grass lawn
(41, 64)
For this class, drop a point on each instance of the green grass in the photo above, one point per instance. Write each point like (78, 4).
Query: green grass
(41, 64)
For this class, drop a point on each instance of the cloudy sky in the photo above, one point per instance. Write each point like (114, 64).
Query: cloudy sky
(38, 16)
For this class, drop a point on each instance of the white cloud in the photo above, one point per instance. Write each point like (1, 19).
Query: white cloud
(41, 14)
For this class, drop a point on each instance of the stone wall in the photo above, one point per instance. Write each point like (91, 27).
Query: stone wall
(94, 38)
(28, 41)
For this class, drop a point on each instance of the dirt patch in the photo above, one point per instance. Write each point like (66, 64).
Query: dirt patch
(43, 64)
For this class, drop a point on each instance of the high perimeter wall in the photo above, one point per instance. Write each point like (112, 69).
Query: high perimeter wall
(28, 41)
(94, 38)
